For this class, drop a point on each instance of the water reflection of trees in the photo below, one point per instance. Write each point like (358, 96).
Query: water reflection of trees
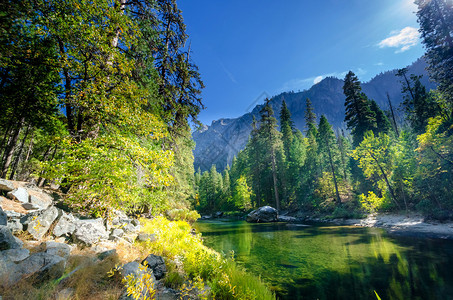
(339, 262)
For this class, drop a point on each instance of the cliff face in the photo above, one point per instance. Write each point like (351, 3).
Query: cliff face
(223, 139)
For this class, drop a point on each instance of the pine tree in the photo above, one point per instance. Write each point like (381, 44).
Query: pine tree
(382, 122)
(328, 148)
(310, 117)
(359, 117)
(286, 127)
(436, 26)
(270, 139)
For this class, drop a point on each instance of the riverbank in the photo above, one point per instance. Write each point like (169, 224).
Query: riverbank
(410, 224)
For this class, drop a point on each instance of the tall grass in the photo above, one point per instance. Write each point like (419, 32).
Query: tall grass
(226, 279)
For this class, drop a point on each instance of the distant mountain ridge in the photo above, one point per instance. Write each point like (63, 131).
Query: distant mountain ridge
(219, 142)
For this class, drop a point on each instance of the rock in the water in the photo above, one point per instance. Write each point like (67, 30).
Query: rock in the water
(38, 223)
(157, 264)
(7, 240)
(6, 185)
(218, 214)
(90, 231)
(263, 214)
(287, 219)
(15, 255)
(15, 225)
(3, 217)
(20, 194)
(66, 225)
(60, 249)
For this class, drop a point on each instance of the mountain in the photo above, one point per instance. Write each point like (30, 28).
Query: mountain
(223, 139)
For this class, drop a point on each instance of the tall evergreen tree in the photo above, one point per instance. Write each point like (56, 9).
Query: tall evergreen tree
(310, 117)
(328, 148)
(382, 122)
(436, 26)
(286, 127)
(271, 141)
(359, 117)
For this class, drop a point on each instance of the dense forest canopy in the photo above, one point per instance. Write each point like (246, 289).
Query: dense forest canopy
(378, 165)
(97, 97)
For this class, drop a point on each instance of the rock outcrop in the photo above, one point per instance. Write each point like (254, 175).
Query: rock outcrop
(263, 214)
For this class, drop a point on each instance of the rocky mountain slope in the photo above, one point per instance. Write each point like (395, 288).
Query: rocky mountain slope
(223, 139)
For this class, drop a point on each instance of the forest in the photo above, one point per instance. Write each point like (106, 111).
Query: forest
(97, 98)
(377, 164)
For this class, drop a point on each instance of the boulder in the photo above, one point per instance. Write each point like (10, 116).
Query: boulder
(7, 240)
(43, 266)
(15, 255)
(6, 185)
(66, 225)
(116, 234)
(20, 194)
(3, 217)
(40, 199)
(60, 249)
(287, 219)
(38, 223)
(218, 214)
(13, 214)
(15, 226)
(157, 264)
(169, 294)
(143, 237)
(129, 228)
(135, 222)
(90, 232)
(105, 254)
(263, 214)
(135, 270)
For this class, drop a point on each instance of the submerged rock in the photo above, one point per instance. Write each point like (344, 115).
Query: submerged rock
(263, 214)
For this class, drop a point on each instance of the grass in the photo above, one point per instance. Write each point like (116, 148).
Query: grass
(187, 256)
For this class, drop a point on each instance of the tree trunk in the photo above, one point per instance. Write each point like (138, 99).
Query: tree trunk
(17, 159)
(386, 180)
(333, 173)
(393, 115)
(9, 152)
(274, 177)
(41, 180)
(5, 139)
(30, 147)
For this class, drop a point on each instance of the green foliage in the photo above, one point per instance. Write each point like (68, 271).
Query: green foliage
(175, 241)
(372, 203)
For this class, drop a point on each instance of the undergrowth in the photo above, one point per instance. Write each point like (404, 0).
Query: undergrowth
(175, 240)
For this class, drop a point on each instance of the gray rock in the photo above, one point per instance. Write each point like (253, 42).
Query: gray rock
(135, 222)
(42, 202)
(287, 219)
(105, 254)
(133, 269)
(20, 194)
(30, 206)
(38, 223)
(129, 228)
(60, 249)
(66, 225)
(157, 264)
(168, 294)
(130, 237)
(3, 217)
(116, 234)
(43, 266)
(7, 240)
(15, 225)
(143, 237)
(6, 185)
(15, 255)
(90, 232)
(263, 214)
(13, 214)
(65, 294)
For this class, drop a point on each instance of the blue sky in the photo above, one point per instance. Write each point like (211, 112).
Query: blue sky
(247, 49)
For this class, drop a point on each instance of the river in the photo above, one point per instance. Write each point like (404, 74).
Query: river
(336, 262)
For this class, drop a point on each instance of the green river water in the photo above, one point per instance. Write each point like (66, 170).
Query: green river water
(336, 262)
